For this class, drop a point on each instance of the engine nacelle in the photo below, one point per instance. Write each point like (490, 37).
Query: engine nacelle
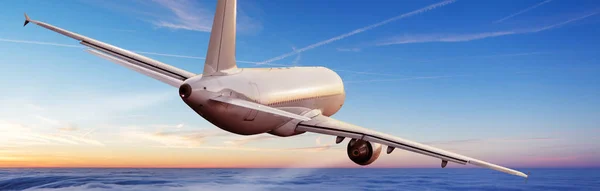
(363, 152)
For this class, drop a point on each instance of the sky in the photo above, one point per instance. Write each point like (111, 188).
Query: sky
(514, 83)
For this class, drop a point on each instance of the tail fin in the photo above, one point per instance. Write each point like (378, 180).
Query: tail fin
(220, 58)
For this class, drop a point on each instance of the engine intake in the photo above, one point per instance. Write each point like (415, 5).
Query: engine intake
(363, 152)
(185, 90)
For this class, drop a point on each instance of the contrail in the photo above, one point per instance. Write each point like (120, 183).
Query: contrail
(40, 43)
(522, 11)
(176, 55)
(406, 39)
(360, 30)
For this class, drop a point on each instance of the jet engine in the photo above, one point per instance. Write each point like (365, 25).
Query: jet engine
(363, 152)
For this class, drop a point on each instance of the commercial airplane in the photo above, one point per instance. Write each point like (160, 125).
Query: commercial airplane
(280, 101)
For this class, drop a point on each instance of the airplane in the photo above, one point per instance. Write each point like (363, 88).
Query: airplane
(285, 101)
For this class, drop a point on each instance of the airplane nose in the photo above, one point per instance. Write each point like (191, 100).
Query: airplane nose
(185, 90)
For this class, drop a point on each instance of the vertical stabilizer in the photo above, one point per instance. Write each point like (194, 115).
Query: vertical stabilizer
(220, 58)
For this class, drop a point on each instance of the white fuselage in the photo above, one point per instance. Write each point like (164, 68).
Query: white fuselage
(299, 90)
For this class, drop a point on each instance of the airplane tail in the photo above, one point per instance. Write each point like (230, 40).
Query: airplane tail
(220, 58)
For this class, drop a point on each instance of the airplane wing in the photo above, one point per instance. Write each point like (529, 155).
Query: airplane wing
(329, 126)
(147, 66)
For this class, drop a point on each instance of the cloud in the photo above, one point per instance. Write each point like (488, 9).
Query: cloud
(172, 136)
(554, 159)
(40, 43)
(185, 15)
(297, 59)
(424, 38)
(175, 136)
(61, 125)
(248, 139)
(408, 39)
(360, 30)
(312, 149)
(320, 146)
(190, 15)
(482, 56)
(102, 106)
(48, 120)
(17, 135)
(245, 140)
(501, 140)
(69, 127)
(34, 107)
(200, 139)
(522, 11)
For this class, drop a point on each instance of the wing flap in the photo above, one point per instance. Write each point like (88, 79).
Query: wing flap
(325, 125)
(259, 107)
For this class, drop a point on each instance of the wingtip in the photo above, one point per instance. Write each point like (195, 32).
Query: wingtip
(26, 20)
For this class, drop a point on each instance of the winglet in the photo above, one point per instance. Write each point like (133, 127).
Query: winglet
(26, 19)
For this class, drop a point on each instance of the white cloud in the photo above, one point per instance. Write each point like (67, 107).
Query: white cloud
(408, 39)
(40, 43)
(248, 139)
(480, 56)
(423, 38)
(17, 134)
(34, 107)
(69, 127)
(94, 106)
(168, 137)
(190, 15)
(297, 59)
(185, 15)
(522, 11)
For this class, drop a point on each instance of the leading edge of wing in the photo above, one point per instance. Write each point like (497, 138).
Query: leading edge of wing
(325, 125)
(119, 53)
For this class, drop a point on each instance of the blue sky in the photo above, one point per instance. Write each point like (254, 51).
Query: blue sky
(509, 81)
